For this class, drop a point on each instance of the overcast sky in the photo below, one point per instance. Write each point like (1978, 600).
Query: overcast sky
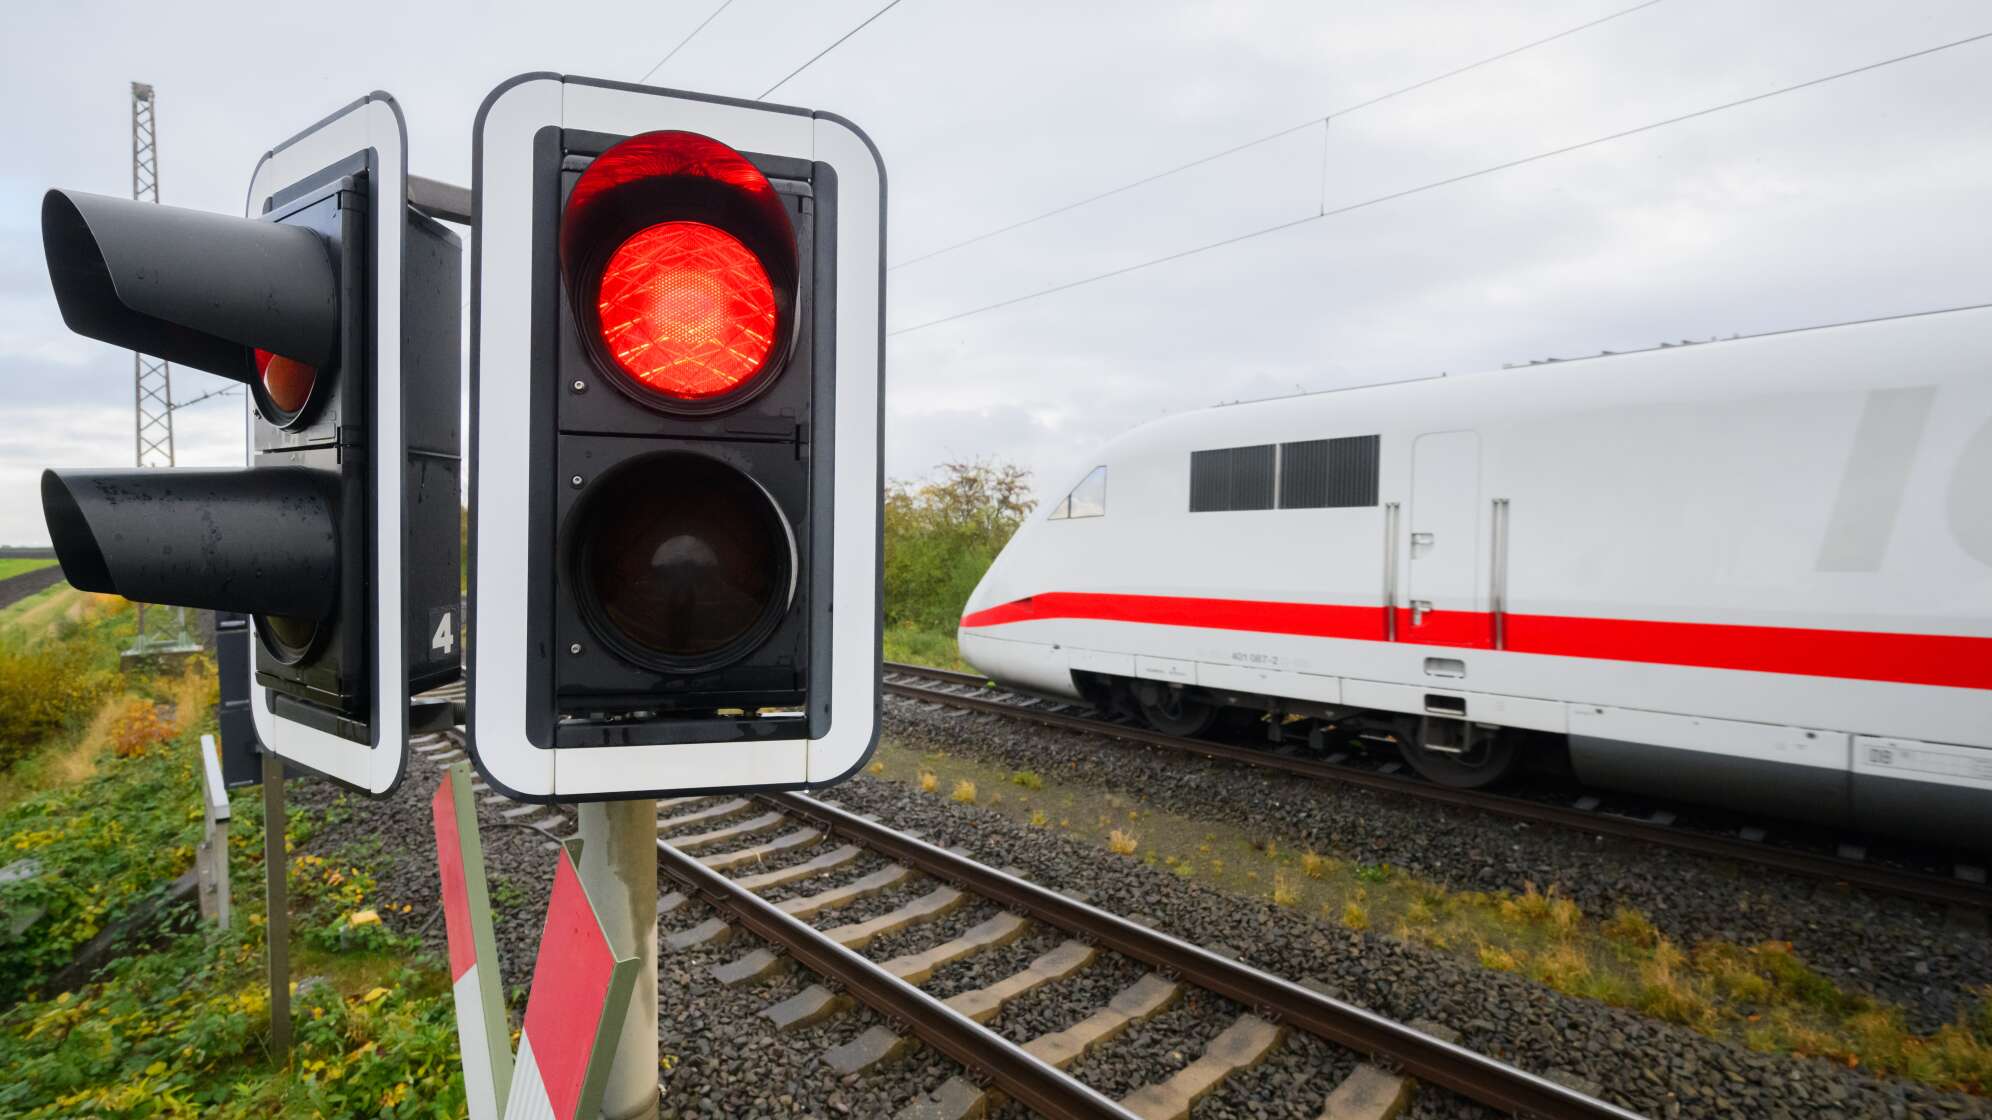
(1863, 197)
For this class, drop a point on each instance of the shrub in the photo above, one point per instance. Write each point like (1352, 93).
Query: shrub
(44, 691)
(137, 727)
(940, 537)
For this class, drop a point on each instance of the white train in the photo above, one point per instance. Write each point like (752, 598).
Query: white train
(1755, 573)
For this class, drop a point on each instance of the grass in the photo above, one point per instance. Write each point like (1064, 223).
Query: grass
(11, 566)
(1763, 996)
(916, 646)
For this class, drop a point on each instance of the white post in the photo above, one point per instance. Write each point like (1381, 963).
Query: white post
(619, 870)
(212, 857)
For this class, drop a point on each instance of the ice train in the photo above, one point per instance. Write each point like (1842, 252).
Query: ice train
(1754, 573)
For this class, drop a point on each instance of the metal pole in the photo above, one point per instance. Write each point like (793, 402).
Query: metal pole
(276, 892)
(619, 869)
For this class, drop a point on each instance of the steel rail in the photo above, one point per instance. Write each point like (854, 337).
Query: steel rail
(1906, 884)
(1434, 1061)
(1042, 1087)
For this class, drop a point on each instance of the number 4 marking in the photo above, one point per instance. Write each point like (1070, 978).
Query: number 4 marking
(444, 639)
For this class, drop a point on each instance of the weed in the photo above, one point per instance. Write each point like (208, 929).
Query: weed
(1665, 993)
(1355, 915)
(1373, 873)
(876, 768)
(1122, 843)
(1313, 864)
(1028, 779)
(928, 782)
(1284, 892)
(1498, 959)
(1631, 927)
(964, 791)
(1038, 819)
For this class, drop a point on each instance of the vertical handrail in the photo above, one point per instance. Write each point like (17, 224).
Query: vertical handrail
(1390, 571)
(1497, 592)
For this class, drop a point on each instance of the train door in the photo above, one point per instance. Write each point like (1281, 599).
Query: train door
(1443, 571)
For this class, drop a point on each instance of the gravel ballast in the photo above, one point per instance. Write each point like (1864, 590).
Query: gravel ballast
(1649, 1066)
(1914, 955)
(729, 1061)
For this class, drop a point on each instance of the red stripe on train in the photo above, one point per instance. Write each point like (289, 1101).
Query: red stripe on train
(1950, 660)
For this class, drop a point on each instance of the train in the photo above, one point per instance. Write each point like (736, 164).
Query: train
(1754, 573)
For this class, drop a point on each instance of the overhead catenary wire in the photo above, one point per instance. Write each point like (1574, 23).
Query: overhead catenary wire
(813, 59)
(1272, 136)
(673, 52)
(1436, 184)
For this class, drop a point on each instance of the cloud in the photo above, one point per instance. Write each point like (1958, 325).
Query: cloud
(1855, 199)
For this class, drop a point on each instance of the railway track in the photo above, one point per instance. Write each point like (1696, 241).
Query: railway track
(974, 693)
(1032, 1074)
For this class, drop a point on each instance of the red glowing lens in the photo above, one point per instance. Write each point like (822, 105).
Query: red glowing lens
(687, 310)
(287, 380)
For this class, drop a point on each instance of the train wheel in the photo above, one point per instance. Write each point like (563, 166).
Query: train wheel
(1454, 753)
(1169, 711)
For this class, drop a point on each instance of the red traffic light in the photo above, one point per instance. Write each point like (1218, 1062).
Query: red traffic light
(286, 381)
(687, 310)
(680, 265)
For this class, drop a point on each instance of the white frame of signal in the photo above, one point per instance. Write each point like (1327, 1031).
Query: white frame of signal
(373, 122)
(501, 345)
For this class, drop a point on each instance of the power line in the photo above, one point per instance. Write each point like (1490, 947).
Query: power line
(826, 50)
(1272, 136)
(1437, 183)
(725, 4)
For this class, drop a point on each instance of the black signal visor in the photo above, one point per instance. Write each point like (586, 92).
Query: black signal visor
(193, 288)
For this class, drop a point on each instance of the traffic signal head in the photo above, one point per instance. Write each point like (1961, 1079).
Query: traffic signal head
(675, 454)
(335, 304)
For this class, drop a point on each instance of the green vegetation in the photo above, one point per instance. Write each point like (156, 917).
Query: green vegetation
(939, 538)
(11, 566)
(58, 664)
(106, 805)
(1763, 996)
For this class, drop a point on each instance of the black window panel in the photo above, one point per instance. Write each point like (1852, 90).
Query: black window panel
(1352, 471)
(1304, 474)
(1210, 480)
(1231, 478)
(1329, 473)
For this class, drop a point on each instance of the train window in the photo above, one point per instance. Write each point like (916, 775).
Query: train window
(1231, 478)
(1088, 499)
(1329, 473)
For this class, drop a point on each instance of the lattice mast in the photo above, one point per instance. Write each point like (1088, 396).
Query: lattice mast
(152, 380)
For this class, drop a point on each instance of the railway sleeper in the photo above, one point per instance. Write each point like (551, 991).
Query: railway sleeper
(783, 843)
(782, 876)
(766, 822)
(1242, 1045)
(959, 1097)
(701, 816)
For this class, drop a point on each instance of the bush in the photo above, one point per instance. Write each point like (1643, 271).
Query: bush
(46, 691)
(941, 536)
